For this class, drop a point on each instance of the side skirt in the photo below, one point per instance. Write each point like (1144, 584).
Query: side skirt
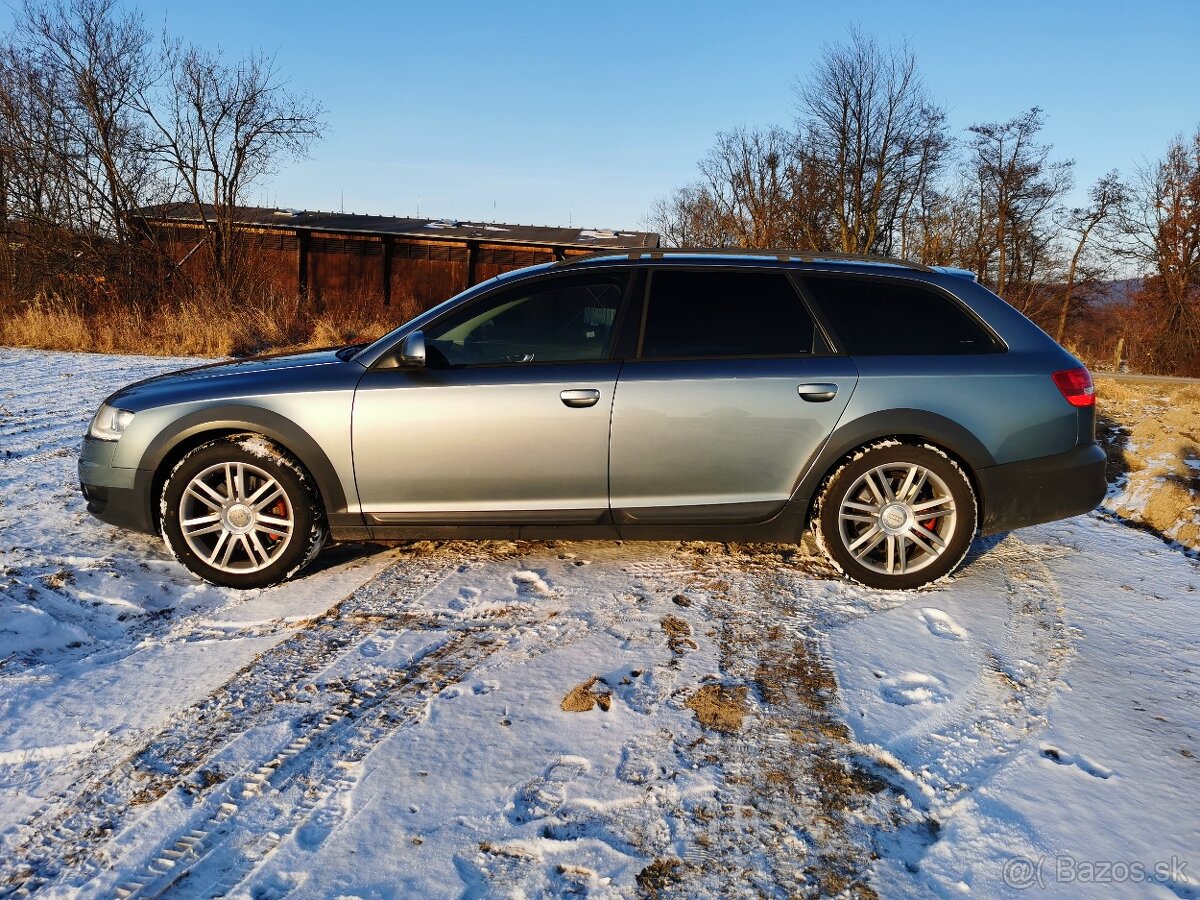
(786, 527)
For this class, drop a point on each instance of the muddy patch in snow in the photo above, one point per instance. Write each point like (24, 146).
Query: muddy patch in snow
(678, 632)
(718, 707)
(799, 806)
(584, 697)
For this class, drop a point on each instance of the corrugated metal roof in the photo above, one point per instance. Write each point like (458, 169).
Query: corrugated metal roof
(432, 229)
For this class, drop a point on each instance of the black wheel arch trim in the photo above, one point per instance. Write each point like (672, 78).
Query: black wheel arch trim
(234, 418)
(893, 423)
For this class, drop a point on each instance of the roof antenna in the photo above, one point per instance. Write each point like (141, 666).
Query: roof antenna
(570, 217)
(343, 201)
(418, 206)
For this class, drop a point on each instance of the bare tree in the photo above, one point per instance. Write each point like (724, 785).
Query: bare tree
(689, 218)
(868, 121)
(1159, 226)
(1105, 198)
(86, 61)
(941, 228)
(811, 208)
(222, 127)
(1018, 191)
(72, 146)
(758, 189)
(746, 177)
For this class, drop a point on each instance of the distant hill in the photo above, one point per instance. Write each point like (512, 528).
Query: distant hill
(1111, 293)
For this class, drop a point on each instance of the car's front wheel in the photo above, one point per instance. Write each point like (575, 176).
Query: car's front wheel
(238, 511)
(897, 516)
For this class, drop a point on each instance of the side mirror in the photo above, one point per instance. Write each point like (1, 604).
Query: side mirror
(412, 350)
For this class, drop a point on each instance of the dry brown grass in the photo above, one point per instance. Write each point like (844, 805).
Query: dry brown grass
(194, 326)
(583, 697)
(719, 707)
(1151, 431)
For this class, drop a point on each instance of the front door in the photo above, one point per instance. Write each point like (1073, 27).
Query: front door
(508, 421)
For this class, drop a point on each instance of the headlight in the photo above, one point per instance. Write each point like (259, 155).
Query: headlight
(109, 423)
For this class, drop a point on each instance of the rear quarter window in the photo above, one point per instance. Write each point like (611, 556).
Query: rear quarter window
(879, 316)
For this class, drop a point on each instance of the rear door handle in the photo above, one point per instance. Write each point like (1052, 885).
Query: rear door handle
(580, 397)
(818, 393)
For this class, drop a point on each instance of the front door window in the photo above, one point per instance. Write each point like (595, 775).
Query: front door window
(563, 320)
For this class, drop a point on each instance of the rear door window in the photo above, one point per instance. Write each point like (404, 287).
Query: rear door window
(713, 314)
(880, 316)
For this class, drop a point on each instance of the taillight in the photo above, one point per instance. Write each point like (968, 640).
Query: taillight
(1076, 386)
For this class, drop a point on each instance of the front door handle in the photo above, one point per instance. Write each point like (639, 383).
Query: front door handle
(817, 393)
(580, 397)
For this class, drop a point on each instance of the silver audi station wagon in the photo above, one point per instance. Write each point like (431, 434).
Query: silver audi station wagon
(897, 410)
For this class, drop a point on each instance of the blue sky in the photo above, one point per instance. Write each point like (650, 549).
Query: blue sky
(550, 113)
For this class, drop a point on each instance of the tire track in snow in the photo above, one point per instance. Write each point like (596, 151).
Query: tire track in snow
(792, 808)
(164, 824)
(234, 823)
(993, 719)
(286, 793)
(808, 808)
(70, 830)
(215, 852)
(1007, 708)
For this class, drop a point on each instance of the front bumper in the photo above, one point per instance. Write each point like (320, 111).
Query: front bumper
(114, 495)
(1033, 491)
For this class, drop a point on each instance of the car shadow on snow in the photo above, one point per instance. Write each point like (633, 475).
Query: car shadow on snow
(336, 555)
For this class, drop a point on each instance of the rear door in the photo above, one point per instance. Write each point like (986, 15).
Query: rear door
(731, 393)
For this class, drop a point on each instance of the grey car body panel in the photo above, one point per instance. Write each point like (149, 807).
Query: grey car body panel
(493, 445)
(96, 466)
(303, 402)
(1009, 405)
(716, 449)
(283, 430)
(231, 379)
(718, 440)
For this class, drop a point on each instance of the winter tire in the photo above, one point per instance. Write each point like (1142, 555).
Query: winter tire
(897, 516)
(239, 512)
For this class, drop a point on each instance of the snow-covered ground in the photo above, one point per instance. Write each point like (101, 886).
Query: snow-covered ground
(601, 719)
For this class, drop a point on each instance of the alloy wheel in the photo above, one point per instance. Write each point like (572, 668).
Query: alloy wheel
(236, 517)
(897, 518)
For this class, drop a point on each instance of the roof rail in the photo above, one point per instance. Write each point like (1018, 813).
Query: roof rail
(804, 256)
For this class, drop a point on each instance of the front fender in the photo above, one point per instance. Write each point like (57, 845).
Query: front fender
(239, 417)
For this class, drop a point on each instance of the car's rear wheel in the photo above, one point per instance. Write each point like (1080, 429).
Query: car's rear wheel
(897, 516)
(239, 512)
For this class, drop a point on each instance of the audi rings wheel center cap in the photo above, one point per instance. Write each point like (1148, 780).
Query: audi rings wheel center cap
(894, 517)
(239, 518)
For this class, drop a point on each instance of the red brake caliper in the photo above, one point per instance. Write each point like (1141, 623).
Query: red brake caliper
(279, 510)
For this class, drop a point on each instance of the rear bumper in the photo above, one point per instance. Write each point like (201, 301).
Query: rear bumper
(1033, 491)
(114, 495)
